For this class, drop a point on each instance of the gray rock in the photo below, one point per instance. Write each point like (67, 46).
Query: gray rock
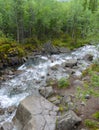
(55, 67)
(66, 99)
(88, 57)
(83, 103)
(11, 109)
(54, 100)
(50, 49)
(46, 91)
(87, 78)
(70, 71)
(7, 126)
(63, 50)
(70, 63)
(71, 106)
(77, 74)
(69, 121)
(78, 83)
(36, 113)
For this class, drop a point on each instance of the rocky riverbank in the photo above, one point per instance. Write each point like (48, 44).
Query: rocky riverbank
(49, 75)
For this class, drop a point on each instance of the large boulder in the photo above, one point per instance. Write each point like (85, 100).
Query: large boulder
(69, 121)
(50, 49)
(36, 113)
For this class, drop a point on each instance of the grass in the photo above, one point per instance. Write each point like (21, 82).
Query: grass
(91, 86)
(93, 125)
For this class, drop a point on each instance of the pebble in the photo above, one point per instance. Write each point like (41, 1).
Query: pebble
(83, 103)
(87, 96)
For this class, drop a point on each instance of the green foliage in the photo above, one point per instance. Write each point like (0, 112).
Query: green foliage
(95, 80)
(77, 20)
(96, 115)
(10, 48)
(63, 83)
(91, 124)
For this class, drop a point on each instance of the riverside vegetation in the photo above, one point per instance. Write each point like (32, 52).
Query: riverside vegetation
(70, 24)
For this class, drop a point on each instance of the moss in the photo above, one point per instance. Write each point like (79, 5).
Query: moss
(61, 108)
(29, 47)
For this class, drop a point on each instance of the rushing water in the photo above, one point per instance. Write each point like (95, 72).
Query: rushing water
(35, 73)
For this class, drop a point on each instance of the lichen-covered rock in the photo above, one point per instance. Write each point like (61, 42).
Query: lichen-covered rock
(36, 113)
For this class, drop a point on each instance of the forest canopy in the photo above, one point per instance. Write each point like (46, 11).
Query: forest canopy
(48, 19)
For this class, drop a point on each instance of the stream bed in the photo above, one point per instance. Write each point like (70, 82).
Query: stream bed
(35, 73)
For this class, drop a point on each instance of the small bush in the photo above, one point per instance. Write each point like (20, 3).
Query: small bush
(63, 83)
(96, 115)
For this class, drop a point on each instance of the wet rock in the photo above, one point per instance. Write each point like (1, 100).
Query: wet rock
(88, 57)
(70, 63)
(55, 67)
(2, 111)
(11, 109)
(36, 113)
(46, 91)
(7, 126)
(69, 121)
